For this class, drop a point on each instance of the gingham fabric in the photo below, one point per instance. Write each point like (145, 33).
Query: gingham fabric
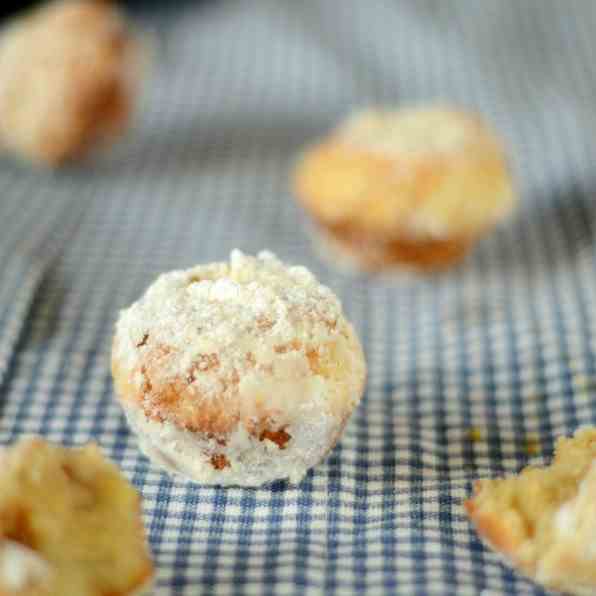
(472, 373)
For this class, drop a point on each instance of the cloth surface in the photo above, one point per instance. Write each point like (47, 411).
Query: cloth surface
(471, 374)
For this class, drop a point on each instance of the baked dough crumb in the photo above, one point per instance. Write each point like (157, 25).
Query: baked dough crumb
(543, 521)
(69, 72)
(412, 187)
(70, 524)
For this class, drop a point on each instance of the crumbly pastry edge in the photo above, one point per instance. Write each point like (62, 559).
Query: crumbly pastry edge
(488, 536)
(496, 539)
(24, 574)
(146, 581)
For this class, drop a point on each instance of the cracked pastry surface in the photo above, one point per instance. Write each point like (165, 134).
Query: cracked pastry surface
(68, 78)
(239, 372)
(70, 524)
(543, 521)
(414, 187)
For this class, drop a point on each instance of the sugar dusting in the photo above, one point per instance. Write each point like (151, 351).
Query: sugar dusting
(576, 517)
(252, 334)
(448, 175)
(20, 567)
(568, 565)
(219, 308)
(251, 462)
(411, 131)
(219, 353)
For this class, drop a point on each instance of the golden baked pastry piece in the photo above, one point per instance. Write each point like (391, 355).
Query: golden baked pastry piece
(70, 524)
(543, 521)
(414, 187)
(239, 372)
(68, 75)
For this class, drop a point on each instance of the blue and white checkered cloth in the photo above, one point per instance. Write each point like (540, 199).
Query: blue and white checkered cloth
(469, 371)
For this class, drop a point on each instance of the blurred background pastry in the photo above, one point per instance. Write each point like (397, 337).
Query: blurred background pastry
(237, 373)
(413, 187)
(70, 524)
(69, 72)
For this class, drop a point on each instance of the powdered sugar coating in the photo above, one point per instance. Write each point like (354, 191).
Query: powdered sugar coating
(403, 179)
(217, 308)
(411, 131)
(243, 348)
(251, 462)
(21, 568)
(576, 519)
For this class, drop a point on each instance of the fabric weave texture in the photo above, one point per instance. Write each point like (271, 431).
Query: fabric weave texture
(472, 373)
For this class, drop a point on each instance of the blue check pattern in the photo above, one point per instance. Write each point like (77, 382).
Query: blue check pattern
(472, 373)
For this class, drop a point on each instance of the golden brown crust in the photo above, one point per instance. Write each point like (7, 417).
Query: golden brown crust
(66, 80)
(331, 180)
(175, 399)
(491, 528)
(415, 202)
(375, 253)
(163, 397)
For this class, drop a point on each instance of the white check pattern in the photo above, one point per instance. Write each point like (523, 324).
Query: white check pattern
(503, 346)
